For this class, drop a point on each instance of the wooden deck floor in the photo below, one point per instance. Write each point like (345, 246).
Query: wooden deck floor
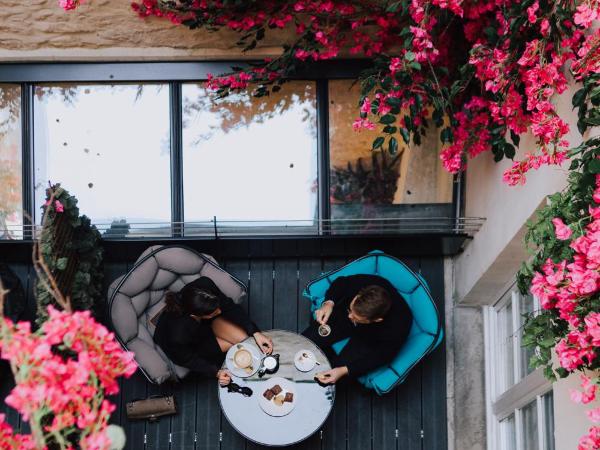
(412, 417)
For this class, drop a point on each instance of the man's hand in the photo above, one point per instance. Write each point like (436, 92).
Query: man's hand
(264, 343)
(324, 312)
(332, 376)
(224, 377)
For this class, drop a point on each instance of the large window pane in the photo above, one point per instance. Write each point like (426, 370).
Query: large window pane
(110, 147)
(548, 402)
(507, 435)
(505, 355)
(530, 426)
(526, 306)
(11, 194)
(250, 159)
(374, 184)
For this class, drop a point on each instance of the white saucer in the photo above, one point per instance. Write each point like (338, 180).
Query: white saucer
(269, 406)
(237, 371)
(305, 364)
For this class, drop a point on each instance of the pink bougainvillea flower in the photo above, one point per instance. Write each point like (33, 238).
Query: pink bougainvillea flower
(562, 231)
(588, 394)
(58, 206)
(590, 441)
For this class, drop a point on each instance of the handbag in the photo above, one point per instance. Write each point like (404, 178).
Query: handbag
(151, 408)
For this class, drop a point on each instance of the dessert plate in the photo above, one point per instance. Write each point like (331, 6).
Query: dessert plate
(277, 406)
(305, 360)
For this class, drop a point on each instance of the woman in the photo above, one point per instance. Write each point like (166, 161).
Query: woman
(200, 324)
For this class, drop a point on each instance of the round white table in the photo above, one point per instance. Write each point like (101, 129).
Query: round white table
(313, 402)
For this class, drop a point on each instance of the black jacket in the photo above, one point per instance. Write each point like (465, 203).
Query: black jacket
(371, 345)
(191, 343)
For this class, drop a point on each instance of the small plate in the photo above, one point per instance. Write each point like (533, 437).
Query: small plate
(269, 406)
(237, 371)
(305, 360)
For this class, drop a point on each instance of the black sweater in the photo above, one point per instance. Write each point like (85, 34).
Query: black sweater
(372, 345)
(191, 343)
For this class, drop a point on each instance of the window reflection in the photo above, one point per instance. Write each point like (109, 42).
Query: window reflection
(507, 435)
(109, 145)
(526, 306)
(548, 402)
(505, 354)
(530, 426)
(370, 184)
(250, 159)
(11, 194)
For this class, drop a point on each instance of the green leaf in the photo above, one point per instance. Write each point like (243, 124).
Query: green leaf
(393, 146)
(405, 135)
(594, 166)
(393, 7)
(387, 119)
(378, 142)
(409, 56)
(578, 97)
(509, 150)
(61, 263)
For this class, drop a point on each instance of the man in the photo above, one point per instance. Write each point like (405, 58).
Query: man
(369, 310)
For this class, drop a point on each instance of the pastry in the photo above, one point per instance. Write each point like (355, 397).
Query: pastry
(279, 399)
(289, 397)
(268, 394)
(276, 389)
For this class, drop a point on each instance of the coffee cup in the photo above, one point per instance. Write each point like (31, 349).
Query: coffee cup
(242, 358)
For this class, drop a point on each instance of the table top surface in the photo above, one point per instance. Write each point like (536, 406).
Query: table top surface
(313, 403)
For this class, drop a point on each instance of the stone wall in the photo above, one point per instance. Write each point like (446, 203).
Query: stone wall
(39, 30)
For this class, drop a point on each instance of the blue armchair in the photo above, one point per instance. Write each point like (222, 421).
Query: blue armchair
(426, 332)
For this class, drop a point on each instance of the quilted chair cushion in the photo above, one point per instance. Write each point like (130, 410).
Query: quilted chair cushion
(140, 298)
(425, 333)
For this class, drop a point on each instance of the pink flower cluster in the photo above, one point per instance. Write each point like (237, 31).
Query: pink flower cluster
(590, 441)
(63, 372)
(471, 137)
(517, 82)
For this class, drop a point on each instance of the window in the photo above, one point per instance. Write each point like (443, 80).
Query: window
(250, 161)
(168, 158)
(11, 182)
(375, 184)
(109, 145)
(520, 400)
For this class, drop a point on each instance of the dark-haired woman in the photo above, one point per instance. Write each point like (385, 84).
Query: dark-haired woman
(200, 324)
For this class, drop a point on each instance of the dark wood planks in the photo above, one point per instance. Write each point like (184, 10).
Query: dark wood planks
(134, 388)
(434, 367)
(157, 433)
(335, 431)
(361, 420)
(231, 439)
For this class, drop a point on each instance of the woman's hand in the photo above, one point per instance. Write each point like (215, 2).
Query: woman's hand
(264, 343)
(332, 376)
(324, 312)
(224, 377)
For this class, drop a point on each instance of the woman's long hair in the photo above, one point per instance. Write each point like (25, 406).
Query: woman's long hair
(192, 300)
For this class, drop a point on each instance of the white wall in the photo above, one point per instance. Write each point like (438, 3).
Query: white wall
(570, 419)
(490, 261)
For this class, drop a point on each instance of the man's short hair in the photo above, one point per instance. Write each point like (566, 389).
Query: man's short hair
(372, 302)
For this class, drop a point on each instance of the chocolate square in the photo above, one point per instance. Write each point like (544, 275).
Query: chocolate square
(276, 389)
(268, 394)
(289, 397)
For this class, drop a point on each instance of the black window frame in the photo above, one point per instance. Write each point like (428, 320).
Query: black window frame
(174, 74)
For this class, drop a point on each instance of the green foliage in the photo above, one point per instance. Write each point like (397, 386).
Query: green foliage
(70, 246)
